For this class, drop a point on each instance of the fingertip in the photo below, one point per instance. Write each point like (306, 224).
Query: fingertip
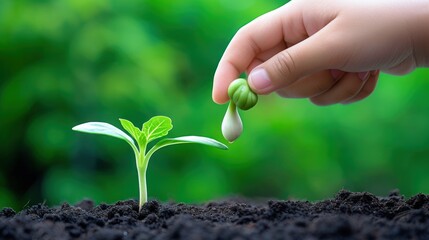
(220, 93)
(225, 73)
(219, 99)
(220, 89)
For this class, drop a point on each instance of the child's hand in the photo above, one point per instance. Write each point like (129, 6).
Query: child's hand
(329, 51)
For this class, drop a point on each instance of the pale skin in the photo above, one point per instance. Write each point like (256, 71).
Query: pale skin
(330, 51)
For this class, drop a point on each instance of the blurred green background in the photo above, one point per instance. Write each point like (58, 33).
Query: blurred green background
(72, 61)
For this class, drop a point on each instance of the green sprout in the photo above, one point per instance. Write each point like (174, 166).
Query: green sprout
(155, 128)
(243, 97)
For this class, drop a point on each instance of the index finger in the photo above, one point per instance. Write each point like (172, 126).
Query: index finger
(258, 36)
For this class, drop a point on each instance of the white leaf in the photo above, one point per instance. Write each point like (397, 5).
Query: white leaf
(103, 129)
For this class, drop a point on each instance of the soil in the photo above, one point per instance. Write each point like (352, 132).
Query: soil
(349, 215)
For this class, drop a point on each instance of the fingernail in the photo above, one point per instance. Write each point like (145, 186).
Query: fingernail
(259, 79)
(336, 74)
(363, 76)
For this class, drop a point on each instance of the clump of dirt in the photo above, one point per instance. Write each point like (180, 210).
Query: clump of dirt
(350, 215)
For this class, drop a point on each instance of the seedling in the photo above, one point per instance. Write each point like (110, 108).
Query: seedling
(243, 97)
(155, 128)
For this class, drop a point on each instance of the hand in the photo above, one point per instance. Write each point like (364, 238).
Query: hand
(329, 51)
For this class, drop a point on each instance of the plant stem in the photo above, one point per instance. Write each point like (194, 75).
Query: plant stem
(141, 174)
(141, 171)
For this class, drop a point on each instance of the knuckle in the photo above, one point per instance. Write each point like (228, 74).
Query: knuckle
(323, 85)
(284, 64)
(320, 88)
(351, 87)
(350, 92)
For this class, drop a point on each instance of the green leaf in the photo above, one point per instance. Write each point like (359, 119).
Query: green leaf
(186, 139)
(131, 129)
(156, 127)
(104, 129)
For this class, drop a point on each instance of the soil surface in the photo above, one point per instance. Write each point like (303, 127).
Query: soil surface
(349, 215)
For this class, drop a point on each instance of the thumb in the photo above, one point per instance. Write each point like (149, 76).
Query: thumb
(314, 54)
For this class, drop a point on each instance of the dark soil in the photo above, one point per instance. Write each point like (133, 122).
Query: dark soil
(347, 216)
